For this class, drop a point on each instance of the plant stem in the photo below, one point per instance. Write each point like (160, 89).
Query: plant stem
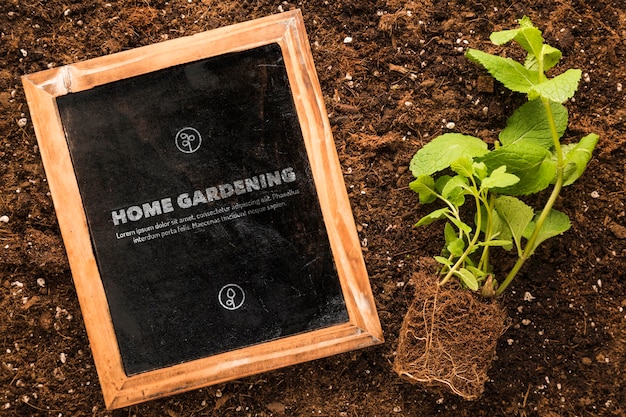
(530, 245)
(470, 246)
(483, 264)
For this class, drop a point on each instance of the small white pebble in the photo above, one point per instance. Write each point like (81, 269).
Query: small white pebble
(24, 52)
(41, 282)
(528, 296)
(22, 122)
(595, 194)
(619, 87)
(526, 322)
(4, 219)
(347, 39)
(63, 357)
(450, 125)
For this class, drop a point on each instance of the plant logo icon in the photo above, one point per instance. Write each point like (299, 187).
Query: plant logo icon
(188, 140)
(231, 296)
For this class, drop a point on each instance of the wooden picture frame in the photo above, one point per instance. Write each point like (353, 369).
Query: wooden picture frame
(46, 89)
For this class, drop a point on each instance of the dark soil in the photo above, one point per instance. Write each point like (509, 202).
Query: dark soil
(398, 83)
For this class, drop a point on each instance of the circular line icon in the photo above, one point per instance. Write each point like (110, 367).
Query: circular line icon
(231, 296)
(188, 140)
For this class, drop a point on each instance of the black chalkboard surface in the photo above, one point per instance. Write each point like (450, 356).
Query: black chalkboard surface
(202, 208)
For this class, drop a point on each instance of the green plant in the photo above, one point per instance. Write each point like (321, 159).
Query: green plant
(527, 158)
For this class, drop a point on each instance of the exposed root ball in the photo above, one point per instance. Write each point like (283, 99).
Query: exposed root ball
(448, 337)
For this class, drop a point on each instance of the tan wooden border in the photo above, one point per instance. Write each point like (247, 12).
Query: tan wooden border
(286, 29)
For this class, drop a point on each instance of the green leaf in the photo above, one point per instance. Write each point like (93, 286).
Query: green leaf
(439, 153)
(467, 278)
(499, 178)
(424, 185)
(510, 73)
(449, 233)
(441, 182)
(532, 164)
(504, 36)
(480, 275)
(560, 88)
(517, 216)
(443, 261)
(496, 242)
(456, 247)
(464, 227)
(454, 244)
(498, 228)
(556, 223)
(577, 156)
(501, 229)
(432, 217)
(454, 190)
(480, 170)
(551, 57)
(528, 36)
(530, 123)
(463, 166)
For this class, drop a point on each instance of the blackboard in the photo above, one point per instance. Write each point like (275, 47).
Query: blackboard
(203, 210)
(231, 215)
